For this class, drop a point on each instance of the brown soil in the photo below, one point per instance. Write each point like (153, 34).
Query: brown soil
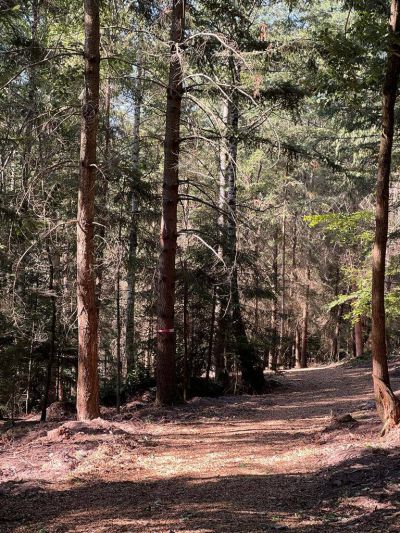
(288, 461)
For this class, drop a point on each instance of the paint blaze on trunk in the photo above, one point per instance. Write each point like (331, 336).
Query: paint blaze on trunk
(88, 385)
(165, 371)
(387, 404)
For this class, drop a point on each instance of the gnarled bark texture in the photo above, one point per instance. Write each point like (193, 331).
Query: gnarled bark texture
(88, 385)
(165, 369)
(388, 405)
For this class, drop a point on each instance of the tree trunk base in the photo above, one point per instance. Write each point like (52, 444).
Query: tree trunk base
(388, 406)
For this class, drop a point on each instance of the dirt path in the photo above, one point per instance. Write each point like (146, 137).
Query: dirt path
(231, 465)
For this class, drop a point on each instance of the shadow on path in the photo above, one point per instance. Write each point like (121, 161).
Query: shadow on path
(365, 489)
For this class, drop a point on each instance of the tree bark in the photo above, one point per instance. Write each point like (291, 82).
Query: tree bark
(52, 339)
(211, 338)
(88, 384)
(337, 319)
(102, 210)
(388, 405)
(133, 237)
(273, 352)
(251, 369)
(185, 333)
(336, 334)
(221, 297)
(293, 279)
(165, 371)
(283, 300)
(358, 337)
(297, 347)
(118, 317)
(257, 279)
(30, 120)
(304, 328)
(30, 362)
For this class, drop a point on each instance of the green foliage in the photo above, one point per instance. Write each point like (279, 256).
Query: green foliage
(358, 301)
(138, 380)
(346, 228)
(309, 101)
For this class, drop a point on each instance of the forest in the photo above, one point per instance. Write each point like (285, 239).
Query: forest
(199, 266)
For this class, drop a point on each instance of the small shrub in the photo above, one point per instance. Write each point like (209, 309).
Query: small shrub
(139, 379)
(205, 387)
(108, 393)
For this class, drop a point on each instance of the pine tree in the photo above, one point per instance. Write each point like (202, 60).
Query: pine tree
(88, 386)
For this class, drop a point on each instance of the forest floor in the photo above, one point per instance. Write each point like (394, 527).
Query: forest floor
(244, 464)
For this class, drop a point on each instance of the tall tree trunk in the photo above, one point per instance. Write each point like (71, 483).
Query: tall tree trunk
(336, 334)
(221, 374)
(165, 372)
(30, 121)
(221, 291)
(273, 352)
(293, 279)
(52, 339)
(102, 194)
(102, 216)
(150, 335)
(252, 372)
(251, 368)
(88, 382)
(59, 383)
(304, 327)
(256, 282)
(29, 381)
(358, 337)
(118, 317)
(185, 333)
(336, 317)
(353, 341)
(283, 301)
(257, 288)
(297, 347)
(118, 313)
(133, 238)
(211, 338)
(388, 405)
(30, 362)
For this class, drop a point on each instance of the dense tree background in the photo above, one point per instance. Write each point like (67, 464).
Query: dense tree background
(275, 211)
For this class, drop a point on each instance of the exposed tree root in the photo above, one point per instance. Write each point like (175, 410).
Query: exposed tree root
(387, 404)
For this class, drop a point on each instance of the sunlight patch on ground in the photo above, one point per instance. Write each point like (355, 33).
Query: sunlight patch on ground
(164, 466)
(169, 464)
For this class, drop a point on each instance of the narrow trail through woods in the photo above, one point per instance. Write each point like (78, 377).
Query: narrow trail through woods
(234, 464)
